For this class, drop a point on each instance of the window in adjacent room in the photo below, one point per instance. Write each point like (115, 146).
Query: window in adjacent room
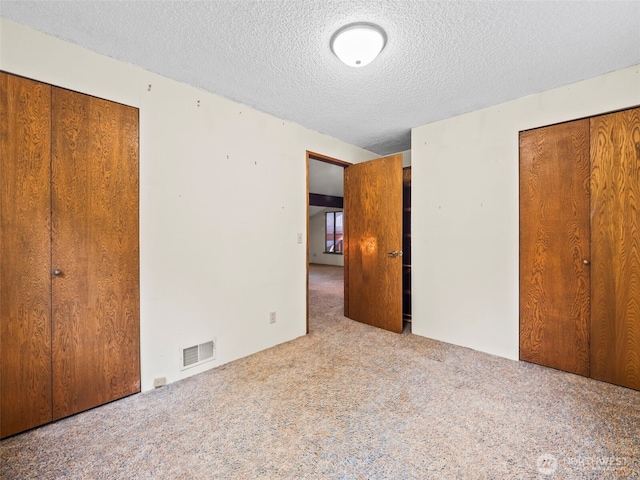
(333, 227)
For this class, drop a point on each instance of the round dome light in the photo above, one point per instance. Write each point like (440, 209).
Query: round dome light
(358, 44)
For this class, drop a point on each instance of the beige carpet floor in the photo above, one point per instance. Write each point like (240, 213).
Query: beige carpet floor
(348, 401)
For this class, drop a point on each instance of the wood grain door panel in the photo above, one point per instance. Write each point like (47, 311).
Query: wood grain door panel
(615, 239)
(373, 226)
(554, 243)
(95, 246)
(25, 263)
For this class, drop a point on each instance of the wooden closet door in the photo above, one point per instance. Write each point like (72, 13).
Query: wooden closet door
(95, 248)
(615, 247)
(554, 244)
(25, 262)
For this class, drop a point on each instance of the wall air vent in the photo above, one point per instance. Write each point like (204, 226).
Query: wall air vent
(197, 354)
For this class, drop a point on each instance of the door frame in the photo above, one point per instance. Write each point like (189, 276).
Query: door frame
(340, 163)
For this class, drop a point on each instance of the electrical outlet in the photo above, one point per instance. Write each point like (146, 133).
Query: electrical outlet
(272, 317)
(299, 238)
(159, 382)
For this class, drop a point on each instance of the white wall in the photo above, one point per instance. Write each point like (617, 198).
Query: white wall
(222, 199)
(406, 158)
(317, 236)
(465, 210)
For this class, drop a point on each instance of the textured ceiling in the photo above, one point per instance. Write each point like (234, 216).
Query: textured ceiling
(441, 58)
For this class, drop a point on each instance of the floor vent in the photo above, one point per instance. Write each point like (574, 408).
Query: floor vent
(197, 354)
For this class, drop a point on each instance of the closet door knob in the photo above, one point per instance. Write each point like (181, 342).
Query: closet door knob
(57, 271)
(585, 261)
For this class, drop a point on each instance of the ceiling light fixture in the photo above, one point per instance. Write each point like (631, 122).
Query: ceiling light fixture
(358, 44)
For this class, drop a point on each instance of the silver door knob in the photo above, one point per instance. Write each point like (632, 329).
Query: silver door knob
(57, 271)
(585, 261)
(395, 253)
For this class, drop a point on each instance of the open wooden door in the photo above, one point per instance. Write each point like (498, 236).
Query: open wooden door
(373, 243)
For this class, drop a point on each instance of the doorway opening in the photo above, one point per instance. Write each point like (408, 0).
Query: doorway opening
(325, 193)
(373, 265)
